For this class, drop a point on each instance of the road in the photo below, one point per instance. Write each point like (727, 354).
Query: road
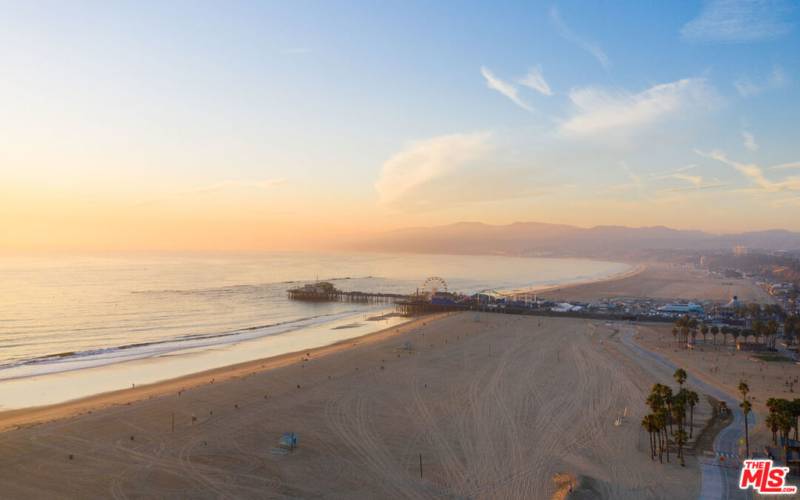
(718, 482)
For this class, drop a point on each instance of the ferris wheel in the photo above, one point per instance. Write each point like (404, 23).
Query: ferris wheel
(433, 285)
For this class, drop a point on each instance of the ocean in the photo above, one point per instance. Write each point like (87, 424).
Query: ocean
(154, 317)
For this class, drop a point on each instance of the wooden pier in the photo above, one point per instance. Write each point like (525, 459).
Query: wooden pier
(418, 304)
(415, 306)
(326, 292)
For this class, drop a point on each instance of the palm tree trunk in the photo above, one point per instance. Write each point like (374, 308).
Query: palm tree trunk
(746, 438)
(652, 446)
(660, 447)
(786, 449)
(691, 421)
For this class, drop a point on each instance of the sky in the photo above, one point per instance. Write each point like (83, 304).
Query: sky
(287, 125)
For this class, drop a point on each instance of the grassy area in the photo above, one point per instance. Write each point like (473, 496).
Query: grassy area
(772, 356)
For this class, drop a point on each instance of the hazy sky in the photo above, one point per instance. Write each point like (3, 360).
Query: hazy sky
(223, 125)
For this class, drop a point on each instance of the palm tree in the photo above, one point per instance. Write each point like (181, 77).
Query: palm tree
(666, 396)
(649, 424)
(693, 327)
(791, 327)
(654, 400)
(661, 426)
(680, 376)
(758, 329)
(746, 407)
(772, 332)
(771, 422)
(678, 411)
(704, 330)
(714, 333)
(691, 399)
(735, 332)
(684, 325)
(785, 426)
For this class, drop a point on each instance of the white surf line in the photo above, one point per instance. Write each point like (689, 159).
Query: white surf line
(716, 481)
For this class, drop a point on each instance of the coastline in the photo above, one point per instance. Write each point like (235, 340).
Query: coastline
(35, 414)
(365, 415)
(636, 269)
(25, 417)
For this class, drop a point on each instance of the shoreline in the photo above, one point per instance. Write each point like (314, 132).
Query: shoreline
(16, 418)
(31, 416)
(635, 270)
(465, 394)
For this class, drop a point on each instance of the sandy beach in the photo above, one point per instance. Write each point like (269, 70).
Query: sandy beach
(663, 281)
(496, 407)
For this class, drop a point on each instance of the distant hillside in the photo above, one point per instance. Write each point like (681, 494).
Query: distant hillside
(539, 239)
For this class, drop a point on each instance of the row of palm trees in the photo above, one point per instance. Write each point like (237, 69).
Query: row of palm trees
(757, 311)
(686, 327)
(784, 415)
(666, 423)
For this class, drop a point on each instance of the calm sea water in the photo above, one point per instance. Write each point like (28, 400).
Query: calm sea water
(68, 313)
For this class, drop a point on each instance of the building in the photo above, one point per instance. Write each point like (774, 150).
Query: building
(733, 304)
(689, 308)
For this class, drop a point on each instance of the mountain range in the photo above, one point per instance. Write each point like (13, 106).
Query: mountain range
(541, 239)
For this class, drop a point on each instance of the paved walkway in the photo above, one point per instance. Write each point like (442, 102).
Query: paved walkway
(718, 481)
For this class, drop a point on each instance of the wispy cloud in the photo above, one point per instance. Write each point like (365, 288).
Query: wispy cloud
(453, 170)
(695, 182)
(680, 174)
(785, 166)
(634, 182)
(749, 141)
(504, 88)
(597, 111)
(535, 80)
(424, 161)
(736, 21)
(755, 174)
(748, 88)
(572, 37)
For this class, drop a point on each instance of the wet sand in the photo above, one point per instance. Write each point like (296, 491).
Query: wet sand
(495, 408)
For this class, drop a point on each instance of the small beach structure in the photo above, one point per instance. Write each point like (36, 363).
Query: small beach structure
(288, 441)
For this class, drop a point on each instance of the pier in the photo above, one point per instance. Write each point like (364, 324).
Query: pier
(431, 299)
(416, 304)
(326, 292)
